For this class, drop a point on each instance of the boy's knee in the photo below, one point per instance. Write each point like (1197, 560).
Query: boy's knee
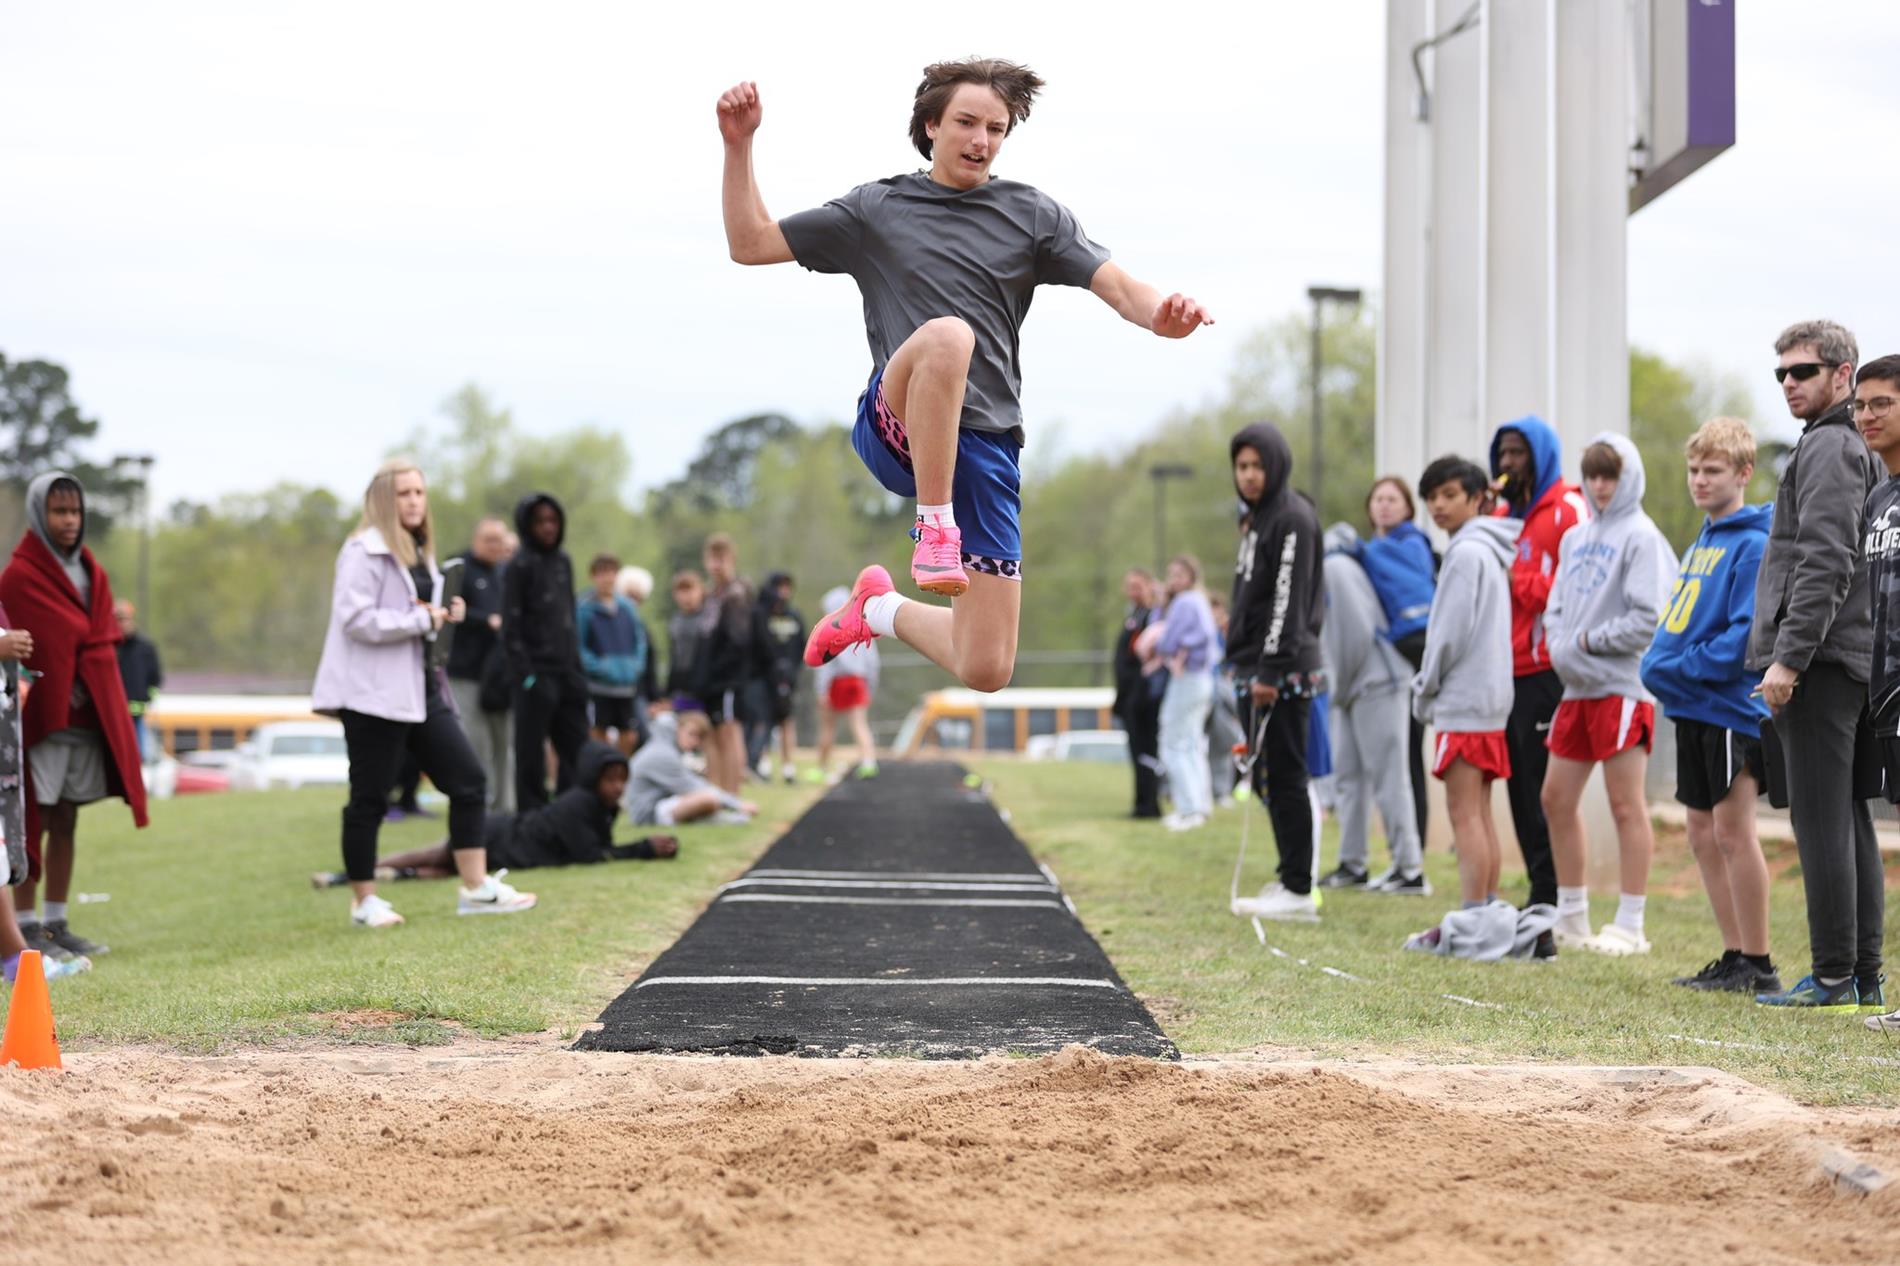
(986, 677)
(950, 338)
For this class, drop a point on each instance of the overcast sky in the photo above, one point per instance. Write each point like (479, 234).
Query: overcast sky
(268, 240)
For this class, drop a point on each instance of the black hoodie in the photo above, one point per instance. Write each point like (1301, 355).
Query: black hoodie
(1279, 585)
(537, 617)
(575, 828)
(778, 637)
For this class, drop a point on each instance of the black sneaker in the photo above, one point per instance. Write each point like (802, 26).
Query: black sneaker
(1344, 876)
(1744, 977)
(34, 934)
(75, 945)
(1545, 945)
(1873, 993)
(1415, 885)
(1711, 971)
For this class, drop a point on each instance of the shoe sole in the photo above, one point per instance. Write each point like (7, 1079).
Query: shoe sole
(943, 586)
(516, 908)
(1851, 1008)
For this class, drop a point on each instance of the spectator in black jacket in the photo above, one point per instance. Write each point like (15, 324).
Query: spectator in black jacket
(1273, 647)
(139, 670)
(544, 659)
(729, 656)
(1138, 698)
(778, 648)
(685, 639)
(476, 657)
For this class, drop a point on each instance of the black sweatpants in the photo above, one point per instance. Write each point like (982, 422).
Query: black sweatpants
(1142, 719)
(1833, 831)
(377, 747)
(1412, 647)
(554, 709)
(1525, 735)
(1280, 779)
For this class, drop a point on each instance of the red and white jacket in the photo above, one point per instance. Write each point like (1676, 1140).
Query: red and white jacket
(1561, 508)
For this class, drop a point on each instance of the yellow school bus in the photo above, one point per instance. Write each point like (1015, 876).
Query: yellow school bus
(218, 723)
(950, 721)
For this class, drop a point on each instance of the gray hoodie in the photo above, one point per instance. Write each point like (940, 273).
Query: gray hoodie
(72, 560)
(1464, 680)
(1613, 574)
(1359, 660)
(657, 772)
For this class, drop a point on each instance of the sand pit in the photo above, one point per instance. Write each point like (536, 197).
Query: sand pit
(503, 1152)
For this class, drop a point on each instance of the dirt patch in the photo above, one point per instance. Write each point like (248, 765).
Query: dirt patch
(361, 1019)
(502, 1152)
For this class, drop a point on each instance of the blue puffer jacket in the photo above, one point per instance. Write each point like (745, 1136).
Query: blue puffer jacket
(1399, 564)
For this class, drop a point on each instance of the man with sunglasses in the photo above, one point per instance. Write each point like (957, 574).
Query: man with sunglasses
(1812, 641)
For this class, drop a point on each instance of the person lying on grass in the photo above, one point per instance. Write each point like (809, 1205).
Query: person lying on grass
(662, 791)
(575, 829)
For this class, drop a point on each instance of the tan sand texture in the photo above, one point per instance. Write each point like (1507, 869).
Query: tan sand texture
(518, 1151)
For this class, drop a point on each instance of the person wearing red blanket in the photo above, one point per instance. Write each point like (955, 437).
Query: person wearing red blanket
(80, 746)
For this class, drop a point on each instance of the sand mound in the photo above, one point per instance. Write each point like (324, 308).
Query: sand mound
(503, 1152)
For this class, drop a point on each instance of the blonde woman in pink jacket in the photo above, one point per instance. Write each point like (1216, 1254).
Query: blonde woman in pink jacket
(375, 677)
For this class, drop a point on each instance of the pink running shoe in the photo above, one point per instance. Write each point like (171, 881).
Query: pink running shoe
(937, 562)
(846, 627)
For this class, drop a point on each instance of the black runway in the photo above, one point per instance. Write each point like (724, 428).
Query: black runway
(900, 916)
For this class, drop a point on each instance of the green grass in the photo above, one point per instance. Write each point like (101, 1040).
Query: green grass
(219, 940)
(1158, 904)
(217, 937)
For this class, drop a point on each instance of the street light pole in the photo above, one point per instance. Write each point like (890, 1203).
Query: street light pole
(1319, 295)
(1161, 472)
(144, 462)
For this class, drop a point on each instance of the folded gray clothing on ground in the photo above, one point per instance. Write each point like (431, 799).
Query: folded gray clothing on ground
(1487, 933)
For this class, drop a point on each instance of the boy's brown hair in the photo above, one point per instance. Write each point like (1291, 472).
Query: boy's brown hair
(719, 545)
(1016, 84)
(1600, 461)
(1727, 439)
(695, 723)
(603, 562)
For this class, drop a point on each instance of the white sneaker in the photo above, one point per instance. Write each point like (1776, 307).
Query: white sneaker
(1889, 1023)
(790, 775)
(731, 817)
(1617, 941)
(1572, 932)
(493, 897)
(373, 912)
(1186, 822)
(1276, 902)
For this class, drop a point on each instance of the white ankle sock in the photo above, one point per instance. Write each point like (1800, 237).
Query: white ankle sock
(940, 516)
(53, 911)
(1573, 903)
(881, 613)
(1629, 912)
(27, 918)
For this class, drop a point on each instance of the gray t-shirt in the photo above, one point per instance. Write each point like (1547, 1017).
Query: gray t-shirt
(920, 250)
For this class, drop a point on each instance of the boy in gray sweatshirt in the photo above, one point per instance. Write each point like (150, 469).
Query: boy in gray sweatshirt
(662, 791)
(1612, 575)
(1463, 686)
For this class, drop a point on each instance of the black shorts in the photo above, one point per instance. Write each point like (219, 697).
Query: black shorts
(1708, 757)
(612, 712)
(727, 703)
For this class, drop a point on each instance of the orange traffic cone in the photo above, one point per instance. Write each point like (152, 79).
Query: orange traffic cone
(30, 1041)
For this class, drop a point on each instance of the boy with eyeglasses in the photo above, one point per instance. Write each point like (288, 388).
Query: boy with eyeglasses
(1877, 413)
(1812, 641)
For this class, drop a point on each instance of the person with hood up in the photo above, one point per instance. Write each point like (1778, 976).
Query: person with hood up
(1694, 668)
(543, 650)
(1274, 622)
(76, 724)
(778, 648)
(1370, 696)
(662, 791)
(1463, 685)
(613, 646)
(1526, 469)
(387, 609)
(1612, 576)
(575, 829)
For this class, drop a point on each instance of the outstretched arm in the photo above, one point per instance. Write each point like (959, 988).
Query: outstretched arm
(1176, 316)
(752, 235)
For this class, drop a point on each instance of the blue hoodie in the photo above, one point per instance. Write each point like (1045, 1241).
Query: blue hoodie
(1695, 664)
(1399, 564)
(613, 644)
(1547, 455)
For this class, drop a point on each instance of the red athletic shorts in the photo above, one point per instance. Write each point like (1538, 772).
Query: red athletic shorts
(847, 693)
(1597, 729)
(1483, 750)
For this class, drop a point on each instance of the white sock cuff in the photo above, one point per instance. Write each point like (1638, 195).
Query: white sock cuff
(880, 613)
(1572, 901)
(1629, 911)
(945, 515)
(55, 911)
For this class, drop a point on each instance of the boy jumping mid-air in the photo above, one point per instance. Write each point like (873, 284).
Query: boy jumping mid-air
(947, 261)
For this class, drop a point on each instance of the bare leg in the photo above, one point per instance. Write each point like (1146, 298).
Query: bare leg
(923, 385)
(1493, 848)
(1563, 793)
(1635, 841)
(1710, 860)
(1747, 869)
(695, 805)
(729, 742)
(11, 942)
(827, 729)
(974, 638)
(62, 826)
(861, 731)
(1467, 799)
(785, 737)
(471, 864)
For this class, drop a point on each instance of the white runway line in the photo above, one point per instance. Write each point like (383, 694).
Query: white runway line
(793, 898)
(1064, 981)
(926, 885)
